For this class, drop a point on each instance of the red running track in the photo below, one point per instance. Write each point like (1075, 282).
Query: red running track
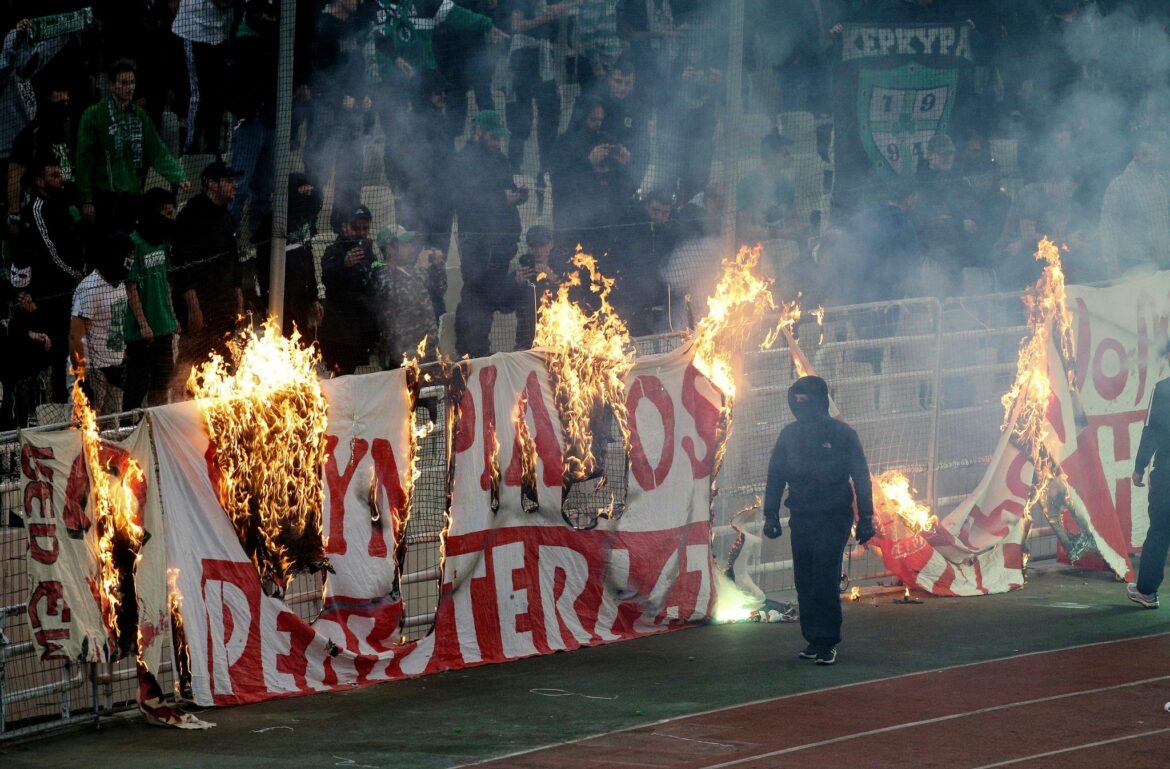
(1090, 707)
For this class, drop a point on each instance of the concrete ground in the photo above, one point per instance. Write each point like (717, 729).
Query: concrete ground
(460, 717)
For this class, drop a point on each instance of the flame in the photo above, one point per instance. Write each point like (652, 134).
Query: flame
(906, 595)
(897, 499)
(178, 631)
(589, 354)
(1047, 315)
(266, 416)
(855, 593)
(1026, 402)
(739, 302)
(115, 504)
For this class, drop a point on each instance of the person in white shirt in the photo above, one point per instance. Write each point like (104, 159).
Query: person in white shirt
(97, 343)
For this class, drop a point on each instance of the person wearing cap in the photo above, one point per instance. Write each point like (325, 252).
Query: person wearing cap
(820, 461)
(486, 199)
(348, 328)
(534, 276)
(207, 279)
(411, 281)
(116, 145)
(97, 345)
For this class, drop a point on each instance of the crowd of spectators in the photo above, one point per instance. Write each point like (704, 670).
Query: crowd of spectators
(524, 127)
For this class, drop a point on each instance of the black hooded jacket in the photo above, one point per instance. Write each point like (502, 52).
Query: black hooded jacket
(816, 457)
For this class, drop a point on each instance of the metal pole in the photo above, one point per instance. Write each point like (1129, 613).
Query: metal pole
(281, 159)
(936, 397)
(731, 120)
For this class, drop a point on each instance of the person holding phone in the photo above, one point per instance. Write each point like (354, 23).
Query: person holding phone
(348, 329)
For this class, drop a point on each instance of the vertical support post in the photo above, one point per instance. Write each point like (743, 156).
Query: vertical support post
(936, 390)
(731, 120)
(281, 159)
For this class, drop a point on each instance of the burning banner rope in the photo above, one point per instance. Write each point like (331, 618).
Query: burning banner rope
(589, 354)
(266, 416)
(117, 482)
(1026, 404)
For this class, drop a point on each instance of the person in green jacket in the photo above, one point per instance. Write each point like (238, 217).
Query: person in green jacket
(116, 145)
(150, 315)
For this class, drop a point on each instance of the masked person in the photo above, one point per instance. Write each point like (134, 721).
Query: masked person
(816, 457)
(150, 320)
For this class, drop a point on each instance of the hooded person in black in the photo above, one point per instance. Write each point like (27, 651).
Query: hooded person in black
(1154, 447)
(821, 462)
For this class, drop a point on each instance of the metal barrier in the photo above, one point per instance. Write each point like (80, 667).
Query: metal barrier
(919, 379)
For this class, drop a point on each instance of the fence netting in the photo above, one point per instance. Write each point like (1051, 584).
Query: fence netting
(425, 169)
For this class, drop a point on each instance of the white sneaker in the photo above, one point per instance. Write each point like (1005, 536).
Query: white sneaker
(1146, 601)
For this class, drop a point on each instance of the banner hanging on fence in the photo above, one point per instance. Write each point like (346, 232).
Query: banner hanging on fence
(1093, 429)
(68, 603)
(517, 578)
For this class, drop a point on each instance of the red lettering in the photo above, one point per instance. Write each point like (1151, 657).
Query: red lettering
(465, 428)
(42, 542)
(1084, 343)
(338, 484)
(651, 388)
(706, 417)
(52, 594)
(234, 661)
(76, 499)
(547, 447)
(295, 663)
(487, 390)
(1110, 386)
(386, 471)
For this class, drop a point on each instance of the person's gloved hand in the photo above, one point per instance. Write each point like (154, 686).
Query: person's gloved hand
(865, 530)
(772, 528)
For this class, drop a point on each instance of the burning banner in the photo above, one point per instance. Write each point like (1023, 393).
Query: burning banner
(96, 561)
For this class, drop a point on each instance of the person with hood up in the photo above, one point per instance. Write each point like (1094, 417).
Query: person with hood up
(821, 462)
(304, 287)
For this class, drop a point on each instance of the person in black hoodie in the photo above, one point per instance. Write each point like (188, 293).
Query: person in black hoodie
(50, 136)
(821, 462)
(304, 288)
(486, 199)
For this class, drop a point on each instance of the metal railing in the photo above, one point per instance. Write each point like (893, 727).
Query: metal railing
(920, 380)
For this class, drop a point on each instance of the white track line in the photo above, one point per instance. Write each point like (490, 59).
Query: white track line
(712, 711)
(935, 720)
(1011, 761)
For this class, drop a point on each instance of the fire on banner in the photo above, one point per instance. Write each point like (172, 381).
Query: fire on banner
(517, 579)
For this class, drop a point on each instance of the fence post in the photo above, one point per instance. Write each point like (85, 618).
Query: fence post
(731, 120)
(281, 159)
(936, 388)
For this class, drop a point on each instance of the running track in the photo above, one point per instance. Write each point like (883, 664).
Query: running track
(1097, 706)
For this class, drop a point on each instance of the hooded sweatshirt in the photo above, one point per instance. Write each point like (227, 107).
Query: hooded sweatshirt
(816, 457)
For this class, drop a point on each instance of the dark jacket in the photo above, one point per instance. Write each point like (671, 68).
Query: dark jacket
(251, 82)
(816, 457)
(50, 246)
(1155, 442)
(479, 181)
(206, 260)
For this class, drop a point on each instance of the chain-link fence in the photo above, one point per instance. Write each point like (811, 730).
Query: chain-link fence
(377, 171)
